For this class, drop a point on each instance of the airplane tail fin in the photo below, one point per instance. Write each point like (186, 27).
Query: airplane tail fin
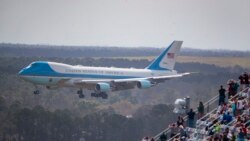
(166, 60)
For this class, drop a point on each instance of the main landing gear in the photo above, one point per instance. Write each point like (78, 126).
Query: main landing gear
(103, 95)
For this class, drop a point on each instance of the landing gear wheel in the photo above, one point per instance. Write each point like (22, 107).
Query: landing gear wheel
(79, 92)
(104, 95)
(81, 96)
(36, 92)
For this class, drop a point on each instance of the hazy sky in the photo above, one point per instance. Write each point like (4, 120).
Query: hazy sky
(205, 24)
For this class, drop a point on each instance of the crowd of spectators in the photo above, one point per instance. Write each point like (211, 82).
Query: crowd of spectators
(230, 121)
(232, 118)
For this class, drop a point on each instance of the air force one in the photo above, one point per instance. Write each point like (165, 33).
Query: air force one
(101, 80)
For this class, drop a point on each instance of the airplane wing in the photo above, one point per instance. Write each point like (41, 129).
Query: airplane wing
(124, 84)
(155, 78)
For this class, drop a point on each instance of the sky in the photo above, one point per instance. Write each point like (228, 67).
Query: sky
(201, 24)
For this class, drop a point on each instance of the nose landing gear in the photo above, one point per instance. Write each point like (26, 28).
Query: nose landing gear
(36, 92)
(80, 93)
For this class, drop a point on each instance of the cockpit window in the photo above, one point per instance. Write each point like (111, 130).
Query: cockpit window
(28, 66)
(34, 64)
(31, 65)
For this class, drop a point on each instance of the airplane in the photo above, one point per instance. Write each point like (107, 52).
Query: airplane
(101, 80)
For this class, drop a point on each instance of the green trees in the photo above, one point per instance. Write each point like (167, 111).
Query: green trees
(38, 124)
(29, 124)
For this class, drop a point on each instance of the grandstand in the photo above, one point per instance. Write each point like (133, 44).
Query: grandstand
(218, 121)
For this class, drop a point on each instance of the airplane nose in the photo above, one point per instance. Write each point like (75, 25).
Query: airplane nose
(20, 73)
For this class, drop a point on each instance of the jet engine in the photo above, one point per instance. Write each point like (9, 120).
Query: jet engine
(102, 87)
(143, 84)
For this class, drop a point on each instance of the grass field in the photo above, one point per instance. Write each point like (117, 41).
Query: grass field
(219, 61)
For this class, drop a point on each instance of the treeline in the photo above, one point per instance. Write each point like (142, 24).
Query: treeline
(38, 124)
(24, 50)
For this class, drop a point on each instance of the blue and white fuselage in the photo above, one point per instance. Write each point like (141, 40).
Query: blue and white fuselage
(51, 73)
(103, 79)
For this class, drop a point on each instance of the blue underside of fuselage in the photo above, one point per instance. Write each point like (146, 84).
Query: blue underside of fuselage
(43, 80)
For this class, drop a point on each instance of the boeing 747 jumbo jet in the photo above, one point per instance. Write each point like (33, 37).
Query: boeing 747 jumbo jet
(101, 80)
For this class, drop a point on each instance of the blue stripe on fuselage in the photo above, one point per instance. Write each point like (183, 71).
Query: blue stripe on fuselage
(85, 76)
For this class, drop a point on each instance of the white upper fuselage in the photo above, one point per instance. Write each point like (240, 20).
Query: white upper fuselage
(107, 72)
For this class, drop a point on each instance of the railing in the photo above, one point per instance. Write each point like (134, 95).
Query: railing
(211, 104)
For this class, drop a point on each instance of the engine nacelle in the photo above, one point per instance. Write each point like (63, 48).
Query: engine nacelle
(102, 87)
(143, 84)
